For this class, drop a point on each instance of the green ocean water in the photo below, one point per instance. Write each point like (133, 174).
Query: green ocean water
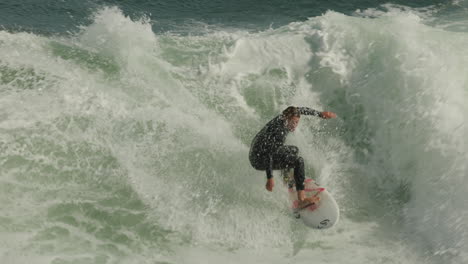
(63, 16)
(125, 129)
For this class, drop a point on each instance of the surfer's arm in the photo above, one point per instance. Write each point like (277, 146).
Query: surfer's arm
(269, 169)
(310, 111)
(270, 182)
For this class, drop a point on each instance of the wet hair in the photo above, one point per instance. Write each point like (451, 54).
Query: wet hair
(291, 111)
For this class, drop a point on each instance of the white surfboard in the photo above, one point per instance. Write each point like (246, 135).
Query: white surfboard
(321, 215)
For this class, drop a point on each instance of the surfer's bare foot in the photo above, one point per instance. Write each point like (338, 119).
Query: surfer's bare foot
(308, 201)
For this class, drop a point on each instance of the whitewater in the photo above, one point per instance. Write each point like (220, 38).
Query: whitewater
(122, 145)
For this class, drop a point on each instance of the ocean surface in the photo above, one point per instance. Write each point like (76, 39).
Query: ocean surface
(125, 128)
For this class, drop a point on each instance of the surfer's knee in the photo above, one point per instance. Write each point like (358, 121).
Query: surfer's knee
(299, 161)
(290, 150)
(294, 150)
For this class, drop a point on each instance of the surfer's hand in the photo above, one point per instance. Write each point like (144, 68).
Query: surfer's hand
(270, 184)
(327, 115)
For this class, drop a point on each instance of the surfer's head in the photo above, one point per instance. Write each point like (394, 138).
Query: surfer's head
(292, 116)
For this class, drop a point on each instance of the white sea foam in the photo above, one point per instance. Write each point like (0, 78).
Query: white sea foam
(118, 143)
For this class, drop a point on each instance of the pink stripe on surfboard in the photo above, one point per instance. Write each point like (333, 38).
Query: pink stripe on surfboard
(310, 190)
(311, 207)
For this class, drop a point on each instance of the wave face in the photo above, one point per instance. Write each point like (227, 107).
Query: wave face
(119, 145)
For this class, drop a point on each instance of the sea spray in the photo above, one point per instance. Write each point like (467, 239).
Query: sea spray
(119, 145)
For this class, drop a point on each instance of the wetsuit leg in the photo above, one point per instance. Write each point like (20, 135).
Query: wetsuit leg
(287, 157)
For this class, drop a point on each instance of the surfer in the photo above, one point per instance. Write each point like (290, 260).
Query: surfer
(268, 151)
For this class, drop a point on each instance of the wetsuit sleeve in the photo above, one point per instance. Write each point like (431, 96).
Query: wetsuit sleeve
(269, 169)
(309, 111)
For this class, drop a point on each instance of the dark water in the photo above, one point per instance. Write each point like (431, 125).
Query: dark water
(61, 16)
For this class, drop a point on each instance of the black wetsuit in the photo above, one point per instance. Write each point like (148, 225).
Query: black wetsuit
(268, 151)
